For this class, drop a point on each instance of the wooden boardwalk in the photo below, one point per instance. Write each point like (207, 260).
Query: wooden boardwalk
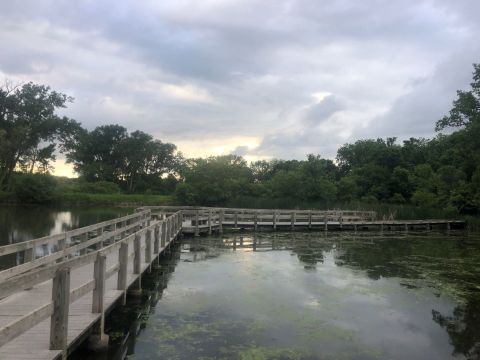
(62, 286)
(207, 220)
(54, 302)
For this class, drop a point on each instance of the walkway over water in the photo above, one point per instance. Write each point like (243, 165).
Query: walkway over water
(62, 286)
(207, 220)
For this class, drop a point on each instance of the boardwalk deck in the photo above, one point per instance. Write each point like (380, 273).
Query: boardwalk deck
(104, 260)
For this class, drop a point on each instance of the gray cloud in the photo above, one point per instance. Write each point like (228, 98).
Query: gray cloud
(211, 72)
(240, 150)
(322, 111)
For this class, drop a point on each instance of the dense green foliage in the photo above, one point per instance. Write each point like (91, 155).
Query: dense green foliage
(35, 188)
(442, 173)
(28, 122)
(134, 161)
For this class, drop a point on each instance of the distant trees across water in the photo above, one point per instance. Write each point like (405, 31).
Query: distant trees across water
(443, 172)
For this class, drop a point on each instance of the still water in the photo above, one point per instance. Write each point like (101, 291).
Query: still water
(22, 223)
(306, 296)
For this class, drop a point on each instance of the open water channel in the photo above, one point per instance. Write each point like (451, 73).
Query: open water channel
(302, 295)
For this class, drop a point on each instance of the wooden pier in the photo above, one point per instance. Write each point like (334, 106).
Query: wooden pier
(62, 286)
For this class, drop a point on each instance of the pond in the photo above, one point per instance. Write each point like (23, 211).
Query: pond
(22, 223)
(306, 295)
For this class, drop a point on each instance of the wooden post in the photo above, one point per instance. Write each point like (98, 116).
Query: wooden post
(156, 242)
(99, 244)
(406, 227)
(61, 302)
(180, 222)
(99, 271)
(163, 236)
(28, 255)
(236, 219)
(137, 259)
(255, 218)
(209, 221)
(325, 220)
(83, 238)
(98, 300)
(274, 220)
(61, 244)
(123, 270)
(310, 219)
(220, 222)
(124, 225)
(448, 225)
(197, 230)
(148, 246)
(293, 218)
(175, 225)
(341, 220)
(169, 230)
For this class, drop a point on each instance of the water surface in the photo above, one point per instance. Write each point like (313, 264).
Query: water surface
(22, 223)
(308, 296)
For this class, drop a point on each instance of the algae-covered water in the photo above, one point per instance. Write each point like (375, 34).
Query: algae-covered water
(307, 296)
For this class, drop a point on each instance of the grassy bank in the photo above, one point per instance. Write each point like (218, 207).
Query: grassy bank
(66, 199)
(115, 199)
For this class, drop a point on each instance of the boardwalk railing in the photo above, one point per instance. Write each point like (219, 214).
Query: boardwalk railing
(135, 238)
(198, 219)
(49, 249)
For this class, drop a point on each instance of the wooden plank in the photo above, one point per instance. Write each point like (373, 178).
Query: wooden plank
(16, 328)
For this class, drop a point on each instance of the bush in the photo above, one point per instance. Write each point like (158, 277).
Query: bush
(99, 187)
(35, 188)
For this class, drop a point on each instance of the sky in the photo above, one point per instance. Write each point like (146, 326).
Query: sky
(261, 79)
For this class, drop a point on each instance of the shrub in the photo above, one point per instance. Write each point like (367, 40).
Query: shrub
(99, 187)
(35, 188)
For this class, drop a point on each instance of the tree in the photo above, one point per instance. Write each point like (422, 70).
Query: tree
(110, 153)
(145, 157)
(466, 108)
(214, 180)
(99, 155)
(38, 158)
(28, 119)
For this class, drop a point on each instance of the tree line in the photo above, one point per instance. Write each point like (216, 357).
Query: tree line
(442, 172)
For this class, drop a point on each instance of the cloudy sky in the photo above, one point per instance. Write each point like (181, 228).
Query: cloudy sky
(257, 78)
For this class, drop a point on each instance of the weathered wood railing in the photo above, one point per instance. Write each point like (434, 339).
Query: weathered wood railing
(204, 217)
(71, 243)
(148, 238)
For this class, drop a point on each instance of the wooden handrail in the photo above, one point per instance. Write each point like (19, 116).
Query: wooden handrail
(63, 296)
(53, 239)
